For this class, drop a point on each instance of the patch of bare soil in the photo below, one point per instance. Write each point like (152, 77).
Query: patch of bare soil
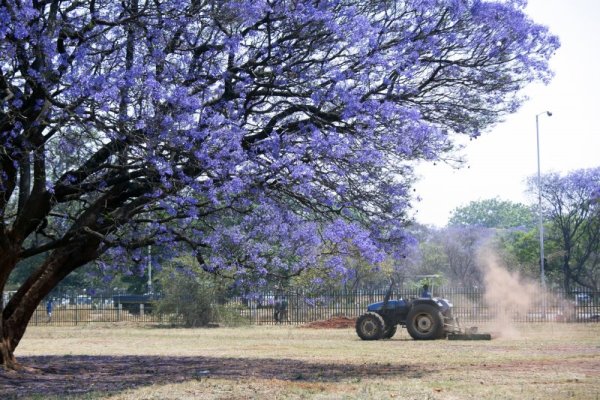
(337, 322)
(77, 375)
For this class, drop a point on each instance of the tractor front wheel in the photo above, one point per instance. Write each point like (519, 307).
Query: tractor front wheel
(425, 322)
(370, 326)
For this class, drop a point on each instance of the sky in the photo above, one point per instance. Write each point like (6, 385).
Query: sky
(499, 162)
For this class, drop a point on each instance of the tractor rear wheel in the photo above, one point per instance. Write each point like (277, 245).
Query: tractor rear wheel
(370, 326)
(425, 322)
(390, 331)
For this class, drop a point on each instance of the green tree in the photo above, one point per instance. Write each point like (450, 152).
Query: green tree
(520, 251)
(453, 253)
(433, 258)
(493, 213)
(570, 203)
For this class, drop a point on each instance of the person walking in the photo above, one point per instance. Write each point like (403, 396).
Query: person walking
(276, 309)
(283, 309)
(280, 306)
(49, 310)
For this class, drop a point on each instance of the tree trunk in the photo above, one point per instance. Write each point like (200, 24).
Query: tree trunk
(566, 275)
(7, 357)
(7, 349)
(20, 308)
(7, 264)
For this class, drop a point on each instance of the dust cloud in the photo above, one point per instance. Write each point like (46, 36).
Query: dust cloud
(508, 295)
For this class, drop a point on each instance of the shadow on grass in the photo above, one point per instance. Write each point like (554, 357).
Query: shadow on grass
(75, 376)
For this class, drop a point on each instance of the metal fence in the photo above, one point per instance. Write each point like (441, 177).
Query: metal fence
(86, 309)
(470, 305)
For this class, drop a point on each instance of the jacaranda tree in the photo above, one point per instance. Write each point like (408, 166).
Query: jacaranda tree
(266, 135)
(571, 207)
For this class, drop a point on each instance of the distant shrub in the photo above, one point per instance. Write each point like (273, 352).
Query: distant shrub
(195, 298)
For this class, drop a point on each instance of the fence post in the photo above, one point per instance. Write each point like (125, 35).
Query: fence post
(297, 305)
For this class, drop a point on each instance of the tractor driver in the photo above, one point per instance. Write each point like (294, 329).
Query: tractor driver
(426, 293)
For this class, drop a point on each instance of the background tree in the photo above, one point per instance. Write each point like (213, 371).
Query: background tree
(493, 213)
(356, 274)
(432, 258)
(570, 205)
(462, 246)
(87, 276)
(519, 249)
(453, 253)
(240, 129)
(194, 296)
(511, 230)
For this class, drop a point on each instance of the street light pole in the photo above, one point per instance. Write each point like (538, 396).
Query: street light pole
(539, 182)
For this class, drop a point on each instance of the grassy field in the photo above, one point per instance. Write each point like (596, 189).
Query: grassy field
(545, 361)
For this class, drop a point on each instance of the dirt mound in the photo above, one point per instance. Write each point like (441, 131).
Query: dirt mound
(336, 322)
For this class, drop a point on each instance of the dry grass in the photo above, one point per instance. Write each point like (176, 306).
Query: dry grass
(545, 361)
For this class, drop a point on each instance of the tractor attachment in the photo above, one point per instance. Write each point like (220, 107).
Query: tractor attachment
(468, 334)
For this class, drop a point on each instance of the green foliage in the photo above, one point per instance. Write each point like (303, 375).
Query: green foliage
(20, 274)
(524, 245)
(493, 213)
(81, 279)
(433, 281)
(520, 251)
(433, 258)
(452, 252)
(193, 297)
(359, 274)
(570, 204)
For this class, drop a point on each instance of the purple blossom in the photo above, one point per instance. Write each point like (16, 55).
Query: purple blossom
(267, 137)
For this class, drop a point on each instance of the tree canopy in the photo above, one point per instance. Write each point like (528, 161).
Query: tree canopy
(265, 135)
(571, 205)
(493, 213)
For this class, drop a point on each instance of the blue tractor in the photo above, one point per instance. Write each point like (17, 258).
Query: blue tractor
(424, 319)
